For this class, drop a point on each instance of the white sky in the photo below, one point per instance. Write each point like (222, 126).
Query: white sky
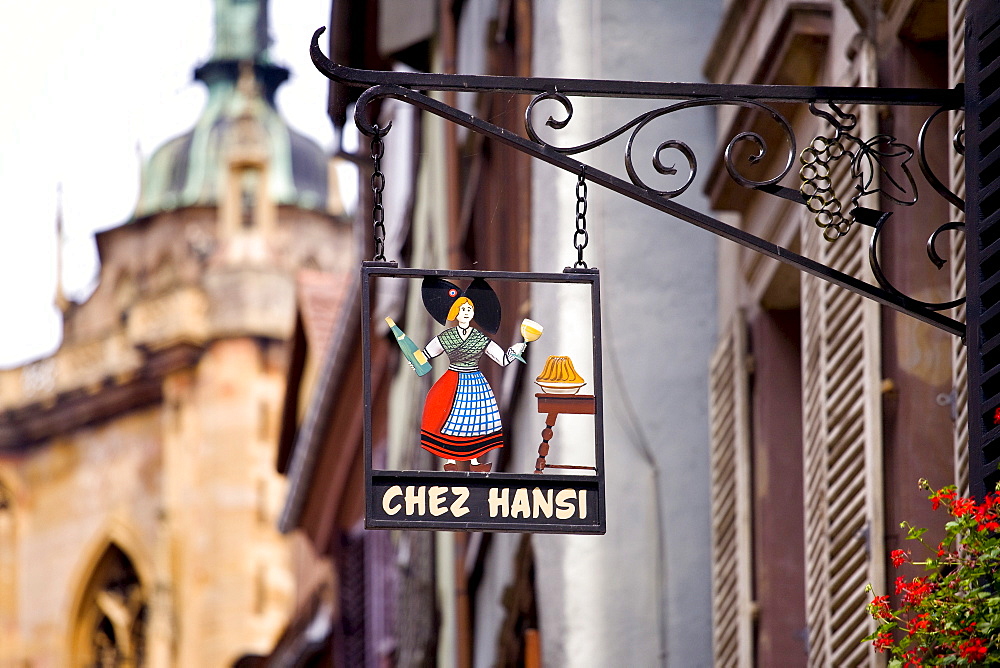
(82, 84)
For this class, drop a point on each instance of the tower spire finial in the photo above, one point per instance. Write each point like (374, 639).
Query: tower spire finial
(241, 36)
(241, 29)
(61, 302)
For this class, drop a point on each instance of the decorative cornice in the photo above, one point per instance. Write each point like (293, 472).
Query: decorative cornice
(70, 409)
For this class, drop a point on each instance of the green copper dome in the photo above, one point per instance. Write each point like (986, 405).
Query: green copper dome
(190, 170)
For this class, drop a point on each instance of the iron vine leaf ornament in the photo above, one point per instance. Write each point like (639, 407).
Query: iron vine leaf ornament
(874, 158)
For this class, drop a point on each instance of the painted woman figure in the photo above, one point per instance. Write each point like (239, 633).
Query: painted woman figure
(461, 420)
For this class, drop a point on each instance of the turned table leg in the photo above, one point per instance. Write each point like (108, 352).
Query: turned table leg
(543, 448)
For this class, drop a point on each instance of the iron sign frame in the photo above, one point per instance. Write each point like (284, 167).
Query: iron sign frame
(378, 482)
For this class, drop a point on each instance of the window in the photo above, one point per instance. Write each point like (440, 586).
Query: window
(8, 564)
(111, 620)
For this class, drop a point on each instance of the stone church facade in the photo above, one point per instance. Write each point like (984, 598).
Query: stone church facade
(138, 492)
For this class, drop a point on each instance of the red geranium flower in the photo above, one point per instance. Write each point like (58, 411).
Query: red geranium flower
(973, 650)
(949, 616)
(914, 591)
(919, 623)
(962, 506)
(880, 607)
(942, 495)
(883, 641)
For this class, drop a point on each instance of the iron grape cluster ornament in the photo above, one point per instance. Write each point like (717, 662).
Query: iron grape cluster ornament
(475, 483)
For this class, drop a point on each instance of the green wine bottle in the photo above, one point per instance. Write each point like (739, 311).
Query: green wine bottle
(413, 354)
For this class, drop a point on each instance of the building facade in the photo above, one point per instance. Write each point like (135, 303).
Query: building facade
(826, 408)
(138, 496)
(764, 431)
(639, 595)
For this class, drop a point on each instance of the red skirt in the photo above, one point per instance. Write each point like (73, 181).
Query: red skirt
(440, 400)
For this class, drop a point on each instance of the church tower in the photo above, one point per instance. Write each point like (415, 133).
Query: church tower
(138, 491)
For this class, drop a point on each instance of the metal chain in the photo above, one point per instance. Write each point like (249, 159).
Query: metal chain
(378, 185)
(581, 236)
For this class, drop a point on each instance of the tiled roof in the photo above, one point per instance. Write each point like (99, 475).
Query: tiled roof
(321, 297)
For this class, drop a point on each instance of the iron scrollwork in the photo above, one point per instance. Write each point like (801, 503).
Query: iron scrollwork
(642, 121)
(957, 144)
(867, 157)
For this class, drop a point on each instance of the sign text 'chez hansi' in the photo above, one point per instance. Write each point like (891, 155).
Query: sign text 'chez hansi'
(460, 421)
(500, 501)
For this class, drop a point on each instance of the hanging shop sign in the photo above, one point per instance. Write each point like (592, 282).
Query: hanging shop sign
(455, 451)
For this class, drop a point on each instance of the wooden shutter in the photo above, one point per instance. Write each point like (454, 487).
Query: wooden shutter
(729, 419)
(959, 357)
(982, 181)
(842, 477)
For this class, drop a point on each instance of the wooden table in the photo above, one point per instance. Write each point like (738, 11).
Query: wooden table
(552, 405)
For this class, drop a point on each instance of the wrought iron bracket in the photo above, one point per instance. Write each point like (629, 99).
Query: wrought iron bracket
(867, 157)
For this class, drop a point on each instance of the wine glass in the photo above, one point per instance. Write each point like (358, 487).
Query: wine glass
(531, 331)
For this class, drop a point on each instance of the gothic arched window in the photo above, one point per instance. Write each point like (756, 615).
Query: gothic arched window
(8, 561)
(111, 620)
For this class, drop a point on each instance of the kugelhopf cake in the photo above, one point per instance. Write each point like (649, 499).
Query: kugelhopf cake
(558, 376)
